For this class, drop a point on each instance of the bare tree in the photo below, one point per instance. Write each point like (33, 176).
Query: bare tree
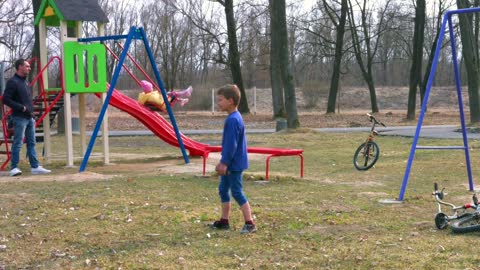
(339, 23)
(417, 57)
(393, 57)
(251, 37)
(364, 38)
(194, 11)
(434, 31)
(280, 51)
(208, 35)
(234, 54)
(469, 36)
(16, 29)
(278, 101)
(169, 35)
(121, 15)
(191, 42)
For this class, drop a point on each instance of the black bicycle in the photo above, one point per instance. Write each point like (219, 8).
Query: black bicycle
(461, 220)
(368, 152)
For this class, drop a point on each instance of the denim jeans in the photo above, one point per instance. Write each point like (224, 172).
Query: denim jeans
(24, 128)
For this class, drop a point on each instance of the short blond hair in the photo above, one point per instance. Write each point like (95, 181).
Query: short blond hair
(230, 91)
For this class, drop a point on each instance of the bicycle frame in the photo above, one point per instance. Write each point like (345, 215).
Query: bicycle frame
(455, 209)
(441, 219)
(373, 132)
(368, 152)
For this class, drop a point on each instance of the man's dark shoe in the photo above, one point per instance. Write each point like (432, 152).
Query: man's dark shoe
(219, 225)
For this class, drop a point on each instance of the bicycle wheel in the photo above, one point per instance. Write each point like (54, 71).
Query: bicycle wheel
(366, 156)
(467, 223)
(441, 221)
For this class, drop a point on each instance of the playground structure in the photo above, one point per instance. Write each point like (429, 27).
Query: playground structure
(83, 71)
(447, 20)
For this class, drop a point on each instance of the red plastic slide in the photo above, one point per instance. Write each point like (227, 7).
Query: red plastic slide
(165, 131)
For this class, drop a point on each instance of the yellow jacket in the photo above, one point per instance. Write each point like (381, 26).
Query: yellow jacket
(155, 98)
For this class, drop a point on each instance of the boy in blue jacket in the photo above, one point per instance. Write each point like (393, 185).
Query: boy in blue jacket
(234, 160)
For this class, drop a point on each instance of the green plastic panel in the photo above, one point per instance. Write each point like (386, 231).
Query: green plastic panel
(85, 67)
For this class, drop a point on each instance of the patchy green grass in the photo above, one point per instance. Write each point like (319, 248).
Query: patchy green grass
(331, 219)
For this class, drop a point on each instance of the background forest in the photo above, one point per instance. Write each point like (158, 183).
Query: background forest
(329, 44)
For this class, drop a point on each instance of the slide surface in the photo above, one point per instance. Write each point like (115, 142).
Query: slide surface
(157, 124)
(165, 131)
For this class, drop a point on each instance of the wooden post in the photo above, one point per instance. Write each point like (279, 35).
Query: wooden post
(81, 103)
(67, 99)
(105, 133)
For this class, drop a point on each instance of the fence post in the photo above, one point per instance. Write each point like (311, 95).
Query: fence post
(254, 100)
(213, 101)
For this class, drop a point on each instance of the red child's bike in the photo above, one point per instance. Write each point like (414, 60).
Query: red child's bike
(461, 220)
(368, 152)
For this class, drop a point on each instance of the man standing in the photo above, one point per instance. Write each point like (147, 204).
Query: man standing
(18, 96)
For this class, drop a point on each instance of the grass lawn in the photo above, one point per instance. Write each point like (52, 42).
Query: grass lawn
(331, 219)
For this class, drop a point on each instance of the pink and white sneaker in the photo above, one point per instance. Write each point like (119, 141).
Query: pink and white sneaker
(184, 93)
(183, 101)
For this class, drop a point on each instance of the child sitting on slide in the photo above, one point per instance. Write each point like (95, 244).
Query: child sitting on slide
(155, 98)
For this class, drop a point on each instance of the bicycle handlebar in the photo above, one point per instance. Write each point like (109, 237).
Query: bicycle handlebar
(439, 198)
(373, 119)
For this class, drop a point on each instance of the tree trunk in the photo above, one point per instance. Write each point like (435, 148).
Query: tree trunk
(234, 56)
(364, 47)
(426, 75)
(278, 102)
(334, 83)
(285, 69)
(470, 55)
(373, 95)
(417, 58)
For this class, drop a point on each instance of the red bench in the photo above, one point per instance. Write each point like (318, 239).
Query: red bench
(271, 152)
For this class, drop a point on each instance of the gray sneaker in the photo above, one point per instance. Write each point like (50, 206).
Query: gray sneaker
(248, 228)
(40, 170)
(15, 172)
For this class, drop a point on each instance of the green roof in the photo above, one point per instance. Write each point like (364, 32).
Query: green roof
(55, 11)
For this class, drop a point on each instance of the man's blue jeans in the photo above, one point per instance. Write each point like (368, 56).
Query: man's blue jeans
(24, 128)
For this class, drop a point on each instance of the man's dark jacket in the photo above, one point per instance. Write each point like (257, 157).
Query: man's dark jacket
(18, 94)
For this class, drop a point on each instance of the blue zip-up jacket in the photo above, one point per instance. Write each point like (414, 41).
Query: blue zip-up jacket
(234, 143)
(18, 94)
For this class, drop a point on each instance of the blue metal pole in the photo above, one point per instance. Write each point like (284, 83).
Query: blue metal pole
(164, 94)
(116, 74)
(103, 38)
(463, 10)
(424, 108)
(460, 103)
